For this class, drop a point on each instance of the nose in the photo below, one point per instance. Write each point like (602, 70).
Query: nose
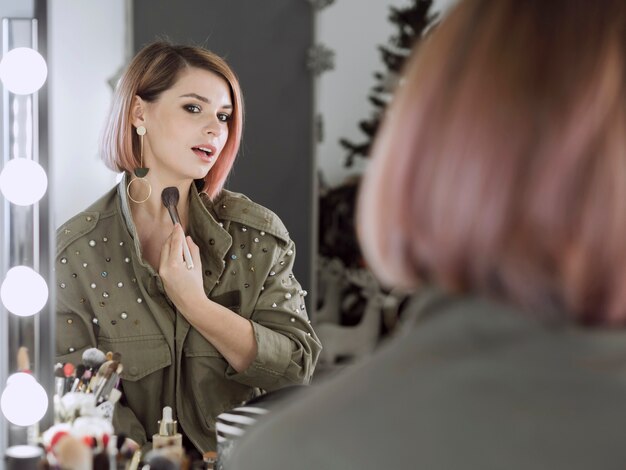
(214, 126)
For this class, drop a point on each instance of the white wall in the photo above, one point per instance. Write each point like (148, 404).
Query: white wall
(353, 29)
(86, 48)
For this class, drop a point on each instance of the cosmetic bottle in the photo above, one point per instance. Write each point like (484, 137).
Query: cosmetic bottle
(168, 435)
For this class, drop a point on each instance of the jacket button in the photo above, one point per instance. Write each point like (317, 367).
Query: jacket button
(211, 242)
(133, 370)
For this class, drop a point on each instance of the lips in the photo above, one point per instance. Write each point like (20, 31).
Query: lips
(206, 152)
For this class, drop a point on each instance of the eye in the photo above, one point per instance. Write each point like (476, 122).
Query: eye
(192, 108)
(224, 117)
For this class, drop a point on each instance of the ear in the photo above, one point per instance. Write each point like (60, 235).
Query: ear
(137, 111)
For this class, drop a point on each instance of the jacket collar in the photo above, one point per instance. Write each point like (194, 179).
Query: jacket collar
(212, 239)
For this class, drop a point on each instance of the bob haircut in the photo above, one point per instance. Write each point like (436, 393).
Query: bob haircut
(152, 71)
(500, 168)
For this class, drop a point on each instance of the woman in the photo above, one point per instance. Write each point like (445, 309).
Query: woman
(498, 187)
(199, 335)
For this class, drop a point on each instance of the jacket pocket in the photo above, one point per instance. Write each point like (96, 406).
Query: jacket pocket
(212, 392)
(141, 356)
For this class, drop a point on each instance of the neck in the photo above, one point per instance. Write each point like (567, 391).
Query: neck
(153, 209)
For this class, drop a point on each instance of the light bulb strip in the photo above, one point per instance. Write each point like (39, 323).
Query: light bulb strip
(22, 236)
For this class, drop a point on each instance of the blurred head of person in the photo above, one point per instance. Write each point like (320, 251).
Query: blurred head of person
(500, 168)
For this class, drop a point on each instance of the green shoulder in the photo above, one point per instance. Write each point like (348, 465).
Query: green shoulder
(85, 221)
(240, 209)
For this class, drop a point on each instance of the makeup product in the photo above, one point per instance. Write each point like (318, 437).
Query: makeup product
(23, 361)
(169, 197)
(168, 435)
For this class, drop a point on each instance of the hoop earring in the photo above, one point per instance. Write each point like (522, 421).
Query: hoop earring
(141, 171)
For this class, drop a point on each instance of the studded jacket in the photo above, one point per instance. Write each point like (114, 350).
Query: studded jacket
(110, 298)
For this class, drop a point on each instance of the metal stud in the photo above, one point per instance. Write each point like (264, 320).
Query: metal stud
(256, 240)
(244, 229)
(242, 246)
(304, 293)
(233, 272)
(120, 284)
(77, 252)
(252, 268)
(274, 305)
(82, 300)
(94, 320)
(262, 288)
(104, 274)
(92, 243)
(108, 260)
(262, 234)
(249, 256)
(288, 296)
(93, 285)
(221, 224)
(105, 239)
(233, 256)
(74, 275)
(63, 260)
(84, 265)
(264, 250)
(246, 285)
(139, 300)
(127, 260)
(70, 321)
(62, 285)
(102, 304)
(289, 252)
(309, 334)
(272, 273)
(123, 315)
(223, 206)
(113, 322)
(105, 295)
(211, 242)
(207, 272)
(290, 276)
(88, 218)
(71, 350)
(292, 320)
(282, 263)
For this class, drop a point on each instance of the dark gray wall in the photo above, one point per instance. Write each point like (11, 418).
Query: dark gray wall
(266, 43)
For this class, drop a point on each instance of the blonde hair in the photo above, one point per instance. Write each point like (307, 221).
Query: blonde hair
(500, 168)
(152, 71)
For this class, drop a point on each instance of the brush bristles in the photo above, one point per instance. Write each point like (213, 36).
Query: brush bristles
(170, 196)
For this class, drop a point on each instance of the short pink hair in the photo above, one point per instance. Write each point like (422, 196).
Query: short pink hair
(500, 168)
(152, 71)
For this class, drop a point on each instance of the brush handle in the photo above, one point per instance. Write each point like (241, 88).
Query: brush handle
(176, 220)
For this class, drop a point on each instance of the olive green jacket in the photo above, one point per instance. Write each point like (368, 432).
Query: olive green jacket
(110, 298)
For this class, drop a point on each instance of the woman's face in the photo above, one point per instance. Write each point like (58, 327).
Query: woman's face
(187, 126)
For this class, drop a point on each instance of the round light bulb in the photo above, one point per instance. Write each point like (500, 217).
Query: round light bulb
(24, 292)
(23, 70)
(23, 181)
(24, 401)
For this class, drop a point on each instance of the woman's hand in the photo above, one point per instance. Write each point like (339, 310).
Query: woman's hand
(183, 286)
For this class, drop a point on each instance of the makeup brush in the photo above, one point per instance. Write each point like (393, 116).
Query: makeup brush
(169, 197)
(93, 358)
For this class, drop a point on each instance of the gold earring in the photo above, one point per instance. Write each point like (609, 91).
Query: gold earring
(141, 171)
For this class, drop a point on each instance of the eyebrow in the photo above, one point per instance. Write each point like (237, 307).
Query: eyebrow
(202, 98)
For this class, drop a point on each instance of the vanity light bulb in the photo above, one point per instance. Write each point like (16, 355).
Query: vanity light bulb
(23, 181)
(24, 401)
(23, 70)
(24, 292)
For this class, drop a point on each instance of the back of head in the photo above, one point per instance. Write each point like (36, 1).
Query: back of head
(500, 168)
(155, 69)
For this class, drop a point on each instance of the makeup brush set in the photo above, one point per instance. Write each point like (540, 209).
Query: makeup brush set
(84, 401)
(94, 383)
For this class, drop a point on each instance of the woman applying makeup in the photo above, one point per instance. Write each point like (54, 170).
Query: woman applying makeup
(200, 335)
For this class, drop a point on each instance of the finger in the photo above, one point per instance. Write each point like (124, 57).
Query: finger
(176, 245)
(194, 249)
